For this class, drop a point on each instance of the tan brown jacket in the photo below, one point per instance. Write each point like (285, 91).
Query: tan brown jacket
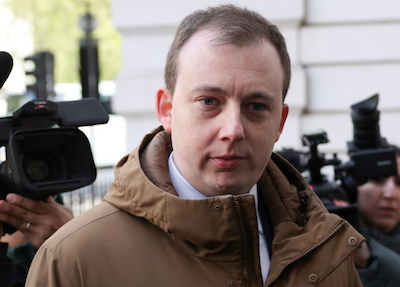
(145, 235)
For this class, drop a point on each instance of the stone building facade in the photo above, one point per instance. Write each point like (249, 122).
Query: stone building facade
(342, 52)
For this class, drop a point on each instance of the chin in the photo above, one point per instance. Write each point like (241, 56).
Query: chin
(385, 228)
(232, 188)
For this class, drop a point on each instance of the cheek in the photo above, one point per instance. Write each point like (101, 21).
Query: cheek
(189, 139)
(262, 138)
(261, 145)
(367, 200)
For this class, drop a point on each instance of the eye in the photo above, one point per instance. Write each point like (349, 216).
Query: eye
(257, 107)
(209, 101)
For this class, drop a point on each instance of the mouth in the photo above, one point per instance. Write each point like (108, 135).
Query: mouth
(388, 210)
(227, 162)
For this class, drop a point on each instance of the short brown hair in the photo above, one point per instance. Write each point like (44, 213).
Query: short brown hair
(234, 25)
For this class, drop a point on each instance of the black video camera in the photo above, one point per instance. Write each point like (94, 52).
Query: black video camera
(370, 155)
(370, 158)
(46, 153)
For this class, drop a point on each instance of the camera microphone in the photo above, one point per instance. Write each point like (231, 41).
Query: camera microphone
(6, 64)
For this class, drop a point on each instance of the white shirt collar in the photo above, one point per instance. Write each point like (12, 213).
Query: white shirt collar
(183, 188)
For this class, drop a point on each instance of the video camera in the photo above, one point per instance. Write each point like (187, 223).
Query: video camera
(370, 158)
(46, 153)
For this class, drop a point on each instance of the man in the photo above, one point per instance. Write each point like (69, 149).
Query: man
(378, 259)
(182, 209)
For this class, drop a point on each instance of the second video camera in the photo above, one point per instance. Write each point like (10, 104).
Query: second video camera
(46, 153)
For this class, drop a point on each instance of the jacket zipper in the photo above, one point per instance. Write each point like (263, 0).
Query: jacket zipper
(245, 241)
(305, 252)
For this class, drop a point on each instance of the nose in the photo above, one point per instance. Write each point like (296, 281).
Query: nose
(231, 125)
(389, 188)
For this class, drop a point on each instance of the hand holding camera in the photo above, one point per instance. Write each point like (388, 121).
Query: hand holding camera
(36, 220)
(46, 154)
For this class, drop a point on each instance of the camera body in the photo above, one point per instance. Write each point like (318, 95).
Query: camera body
(370, 158)
(370, 155)
(46, 153)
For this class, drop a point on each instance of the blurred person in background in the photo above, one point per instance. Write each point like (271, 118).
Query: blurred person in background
(378, 259)
(35, 222)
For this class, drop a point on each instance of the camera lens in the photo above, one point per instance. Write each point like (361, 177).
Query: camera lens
(40, 167)
(365, 118)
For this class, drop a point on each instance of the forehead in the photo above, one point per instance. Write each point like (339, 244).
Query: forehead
(209, 61)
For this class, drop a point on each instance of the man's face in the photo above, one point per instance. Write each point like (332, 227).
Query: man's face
(225, 115)
(379, 202)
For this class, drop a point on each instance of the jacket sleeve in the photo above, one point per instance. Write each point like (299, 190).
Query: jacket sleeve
(356, 278)
(384, 268)
(46, 270)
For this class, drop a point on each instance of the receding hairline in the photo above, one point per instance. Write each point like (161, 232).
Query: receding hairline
(234, 25)
(214, 40)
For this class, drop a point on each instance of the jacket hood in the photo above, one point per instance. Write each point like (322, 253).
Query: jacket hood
(142, 187)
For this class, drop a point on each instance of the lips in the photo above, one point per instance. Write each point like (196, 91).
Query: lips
(388, 210)
(227, 162)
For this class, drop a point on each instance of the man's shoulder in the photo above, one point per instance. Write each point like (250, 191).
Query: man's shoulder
(102, 239)
(98, 222)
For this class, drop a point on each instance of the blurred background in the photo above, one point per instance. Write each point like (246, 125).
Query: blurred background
(342, 52)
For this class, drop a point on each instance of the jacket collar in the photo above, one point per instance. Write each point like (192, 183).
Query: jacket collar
(143, 188)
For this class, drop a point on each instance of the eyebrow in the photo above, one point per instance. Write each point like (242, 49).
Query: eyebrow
(261, 95)
(208, 88)
(252, 95)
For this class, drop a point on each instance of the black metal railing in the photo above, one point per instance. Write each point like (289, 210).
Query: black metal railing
(83, 199)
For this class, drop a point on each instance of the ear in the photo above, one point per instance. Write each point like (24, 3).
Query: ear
(164, 107)
(285, 112)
